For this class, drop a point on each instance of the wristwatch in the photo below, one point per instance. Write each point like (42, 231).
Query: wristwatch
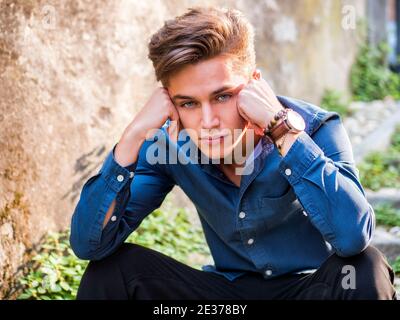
(290, 121)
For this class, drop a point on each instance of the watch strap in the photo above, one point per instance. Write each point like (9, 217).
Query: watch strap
(279, 130)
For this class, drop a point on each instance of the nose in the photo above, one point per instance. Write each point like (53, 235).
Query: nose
(209, 117)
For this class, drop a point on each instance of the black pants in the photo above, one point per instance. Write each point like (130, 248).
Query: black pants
(135, 272)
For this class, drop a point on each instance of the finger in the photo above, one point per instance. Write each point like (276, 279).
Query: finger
(238, 89)
(264, 91)
(266, 86)
(174, 127)
(243, 114)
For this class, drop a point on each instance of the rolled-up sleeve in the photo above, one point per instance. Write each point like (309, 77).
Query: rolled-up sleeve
(138, 189)
(323, 174)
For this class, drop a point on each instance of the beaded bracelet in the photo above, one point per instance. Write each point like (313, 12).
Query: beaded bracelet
(278, 116)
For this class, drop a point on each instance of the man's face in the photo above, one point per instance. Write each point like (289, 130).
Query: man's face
(205, 98)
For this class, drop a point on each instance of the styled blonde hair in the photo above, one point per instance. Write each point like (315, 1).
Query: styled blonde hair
(199, 34)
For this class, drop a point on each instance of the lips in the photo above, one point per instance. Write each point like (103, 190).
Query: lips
(214, 139)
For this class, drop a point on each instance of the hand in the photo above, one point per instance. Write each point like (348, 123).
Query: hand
(154, 114)
(151, 117)
(257, 103)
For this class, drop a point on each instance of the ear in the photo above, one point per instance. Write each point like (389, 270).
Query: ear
(257, 74)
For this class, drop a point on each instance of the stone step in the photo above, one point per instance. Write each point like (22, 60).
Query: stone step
(387, 242)
(371, 126)
(397, 286)
(386, 195)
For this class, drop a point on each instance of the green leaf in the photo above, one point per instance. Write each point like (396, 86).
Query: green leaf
(65, 286)
(57, 272)
(26, 295)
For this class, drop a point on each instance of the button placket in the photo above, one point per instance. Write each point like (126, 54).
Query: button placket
(268, 272)
(288, 172)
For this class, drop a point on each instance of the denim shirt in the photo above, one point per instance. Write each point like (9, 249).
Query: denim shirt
(288, 215)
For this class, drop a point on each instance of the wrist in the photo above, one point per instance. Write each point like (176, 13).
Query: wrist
(127, 149)
(285, 143)
(134, 133)
(270, 121)
(284, 122)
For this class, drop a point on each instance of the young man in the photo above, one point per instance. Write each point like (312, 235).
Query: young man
(296, 225)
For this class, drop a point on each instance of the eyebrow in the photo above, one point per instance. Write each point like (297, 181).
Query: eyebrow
(179, 96)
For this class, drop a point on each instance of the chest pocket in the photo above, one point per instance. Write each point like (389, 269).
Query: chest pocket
(278, 210)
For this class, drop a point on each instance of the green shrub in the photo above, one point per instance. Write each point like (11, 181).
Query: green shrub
(396, 265)
(379, 170)
(56, 272)
(370, 77)
(387, 215)
(171, 234)
(333, 101)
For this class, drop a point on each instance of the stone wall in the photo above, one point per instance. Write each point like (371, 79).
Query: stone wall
(73, 73)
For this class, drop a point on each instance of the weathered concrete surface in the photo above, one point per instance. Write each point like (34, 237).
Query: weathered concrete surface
(377, 17)
(386, 195)
(374, 122)
(73, 73)
(387, 242)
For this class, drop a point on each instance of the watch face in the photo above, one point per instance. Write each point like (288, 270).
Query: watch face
(295, 121)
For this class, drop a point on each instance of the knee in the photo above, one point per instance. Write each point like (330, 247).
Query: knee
(372, 261)
(373, 276)
(107, 277)
(124, 255)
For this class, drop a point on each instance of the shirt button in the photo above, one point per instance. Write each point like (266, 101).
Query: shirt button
(120, 178)
(131, 174)
(242, 215)
(268, 272)
(113, 218)
(250, 241)
(288, 172)
(305, 213)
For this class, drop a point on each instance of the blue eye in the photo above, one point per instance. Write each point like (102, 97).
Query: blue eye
(223, 97)
(189, 104)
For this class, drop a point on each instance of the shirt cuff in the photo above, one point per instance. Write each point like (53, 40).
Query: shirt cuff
(115, 175)
(299, 158)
